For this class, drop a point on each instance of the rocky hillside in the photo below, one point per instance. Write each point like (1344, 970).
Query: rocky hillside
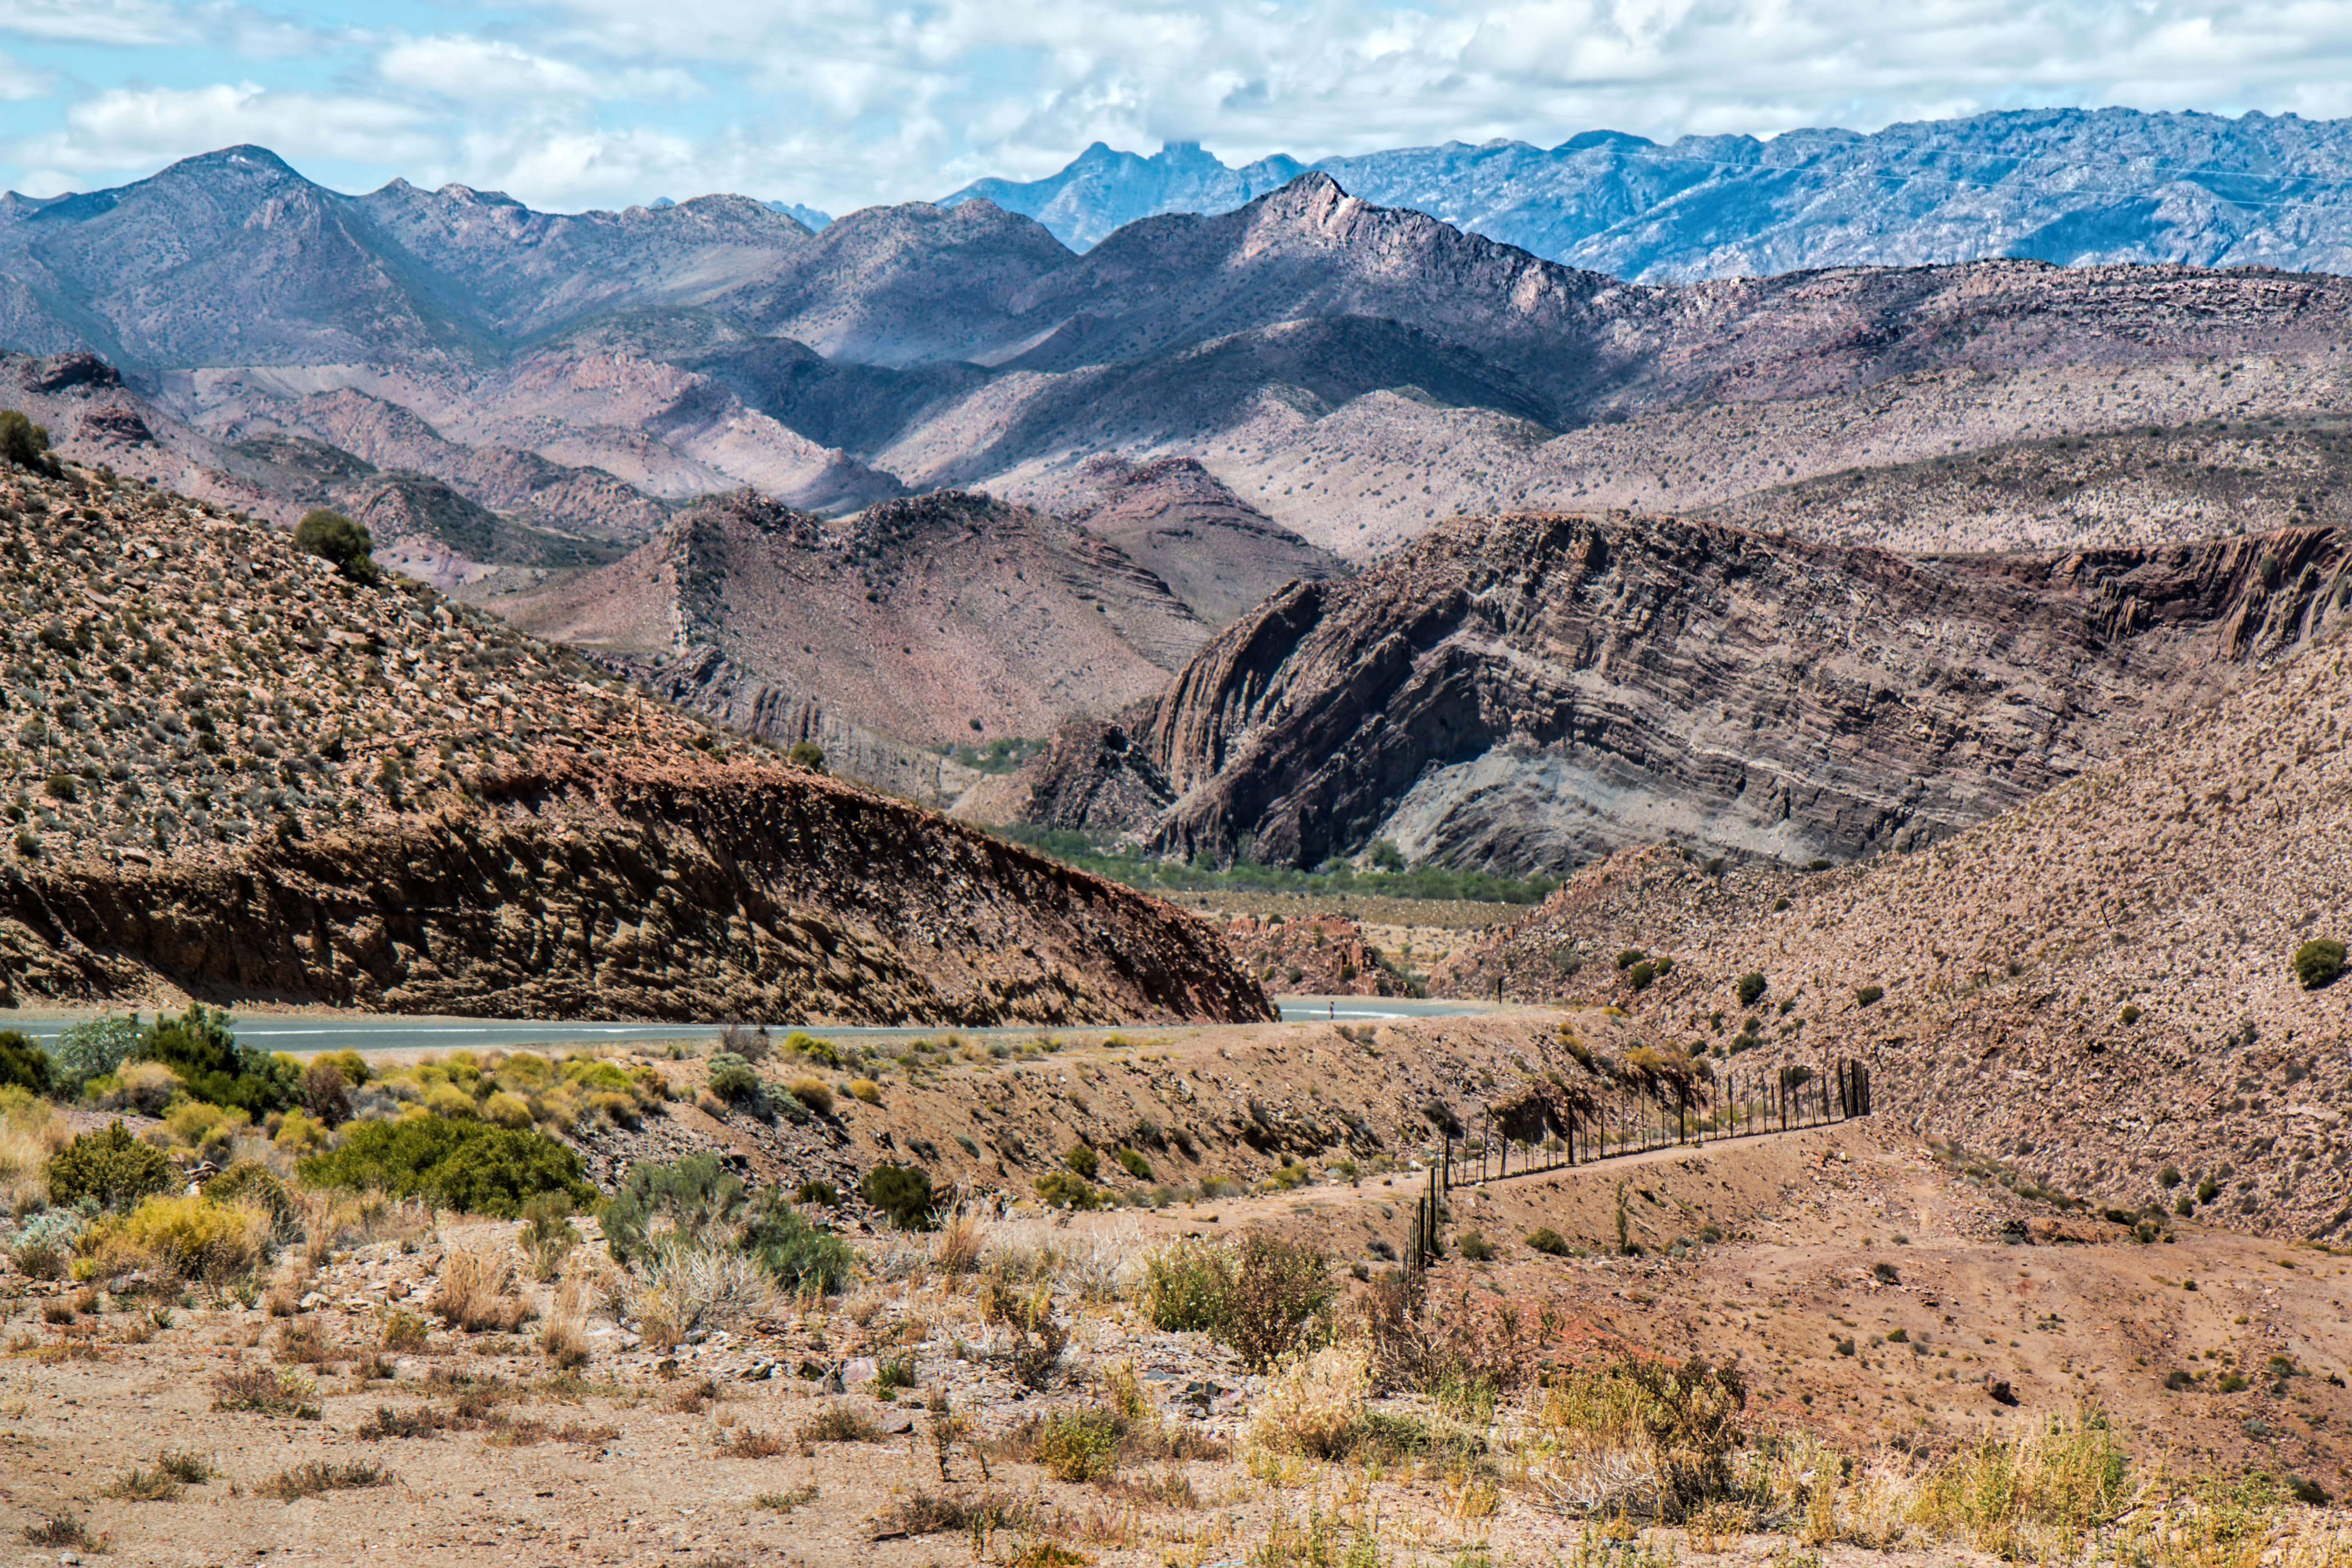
(2097, 986)
(1529, 693)
(933, 620)
(1219, 555)
(2062, 185)
(234, 772)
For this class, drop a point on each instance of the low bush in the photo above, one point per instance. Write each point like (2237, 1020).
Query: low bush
(1475, 1247)
(799, 1256)
(185, 1237)
(338, 541)
(1867, 996)
(1316, 1404)
(1642, 975)
(1135, 1165)
(697, 1198)
(1080, 1445)
(96, 1048)
(902, 1193)
(478, 1294)
(1548, 1241)
(111, 1168)
(1257, 1295)
(865, 1090)
(1062, 1190)
(260, 1391)
(1751, 987)
(469, 1166)
(733, 1079)
(1185, 1287)
(1083, 1159)
(813, 1094)
(840, 1423)
(2319, 961)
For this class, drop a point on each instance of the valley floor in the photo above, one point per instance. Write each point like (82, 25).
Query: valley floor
(1871, 1298)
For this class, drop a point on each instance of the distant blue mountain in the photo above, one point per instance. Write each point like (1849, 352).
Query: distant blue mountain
(807, 217)
(2065, 186)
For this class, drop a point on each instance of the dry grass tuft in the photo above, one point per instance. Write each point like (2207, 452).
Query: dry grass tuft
(478, 1294)
(261, 1391)
(319, 1476)
(838, 1423)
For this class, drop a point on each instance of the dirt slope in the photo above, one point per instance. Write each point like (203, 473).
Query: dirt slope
(2097, 984)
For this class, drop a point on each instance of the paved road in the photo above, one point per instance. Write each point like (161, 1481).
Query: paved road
(378, 1032)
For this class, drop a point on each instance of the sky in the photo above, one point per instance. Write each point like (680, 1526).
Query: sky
(837, 104)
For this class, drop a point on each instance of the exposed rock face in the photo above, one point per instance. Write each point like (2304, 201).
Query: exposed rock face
(695, 894)
(1094, 775)
(1526, 694)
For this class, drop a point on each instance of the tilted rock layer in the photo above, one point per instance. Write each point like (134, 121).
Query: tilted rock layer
(1527, 694)
(236, 772)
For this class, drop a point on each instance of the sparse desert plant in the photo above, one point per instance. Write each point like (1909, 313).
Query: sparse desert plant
(1866, 995)
(695, 1199)
(338, 541)
(404, 1331)
(1080, 1445)
(1548, 1241)
(958, 1250)
(264, 1391)
(1037, 1339)
(548, 1234)
(1751, 987)
(1186, 1287)
(2060, 1476)
(813, 1092)
(839, 1422)
(733, 1079)
(97, 1048)
(865, 1090)
(1135, 1165)
(23, 1064)
(60, 1529)
(1069, 1190)
(684, 1286)
(1637, 1437)
(566, 1344)
(252, 1184)
(1082, 1159)
(1475, 1247)
(322, 1475)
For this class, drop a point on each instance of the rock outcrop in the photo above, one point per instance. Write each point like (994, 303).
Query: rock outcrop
(1528, 693)
(687, 891)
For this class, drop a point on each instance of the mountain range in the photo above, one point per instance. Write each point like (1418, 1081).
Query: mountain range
(1152, 444)
(2067, 185)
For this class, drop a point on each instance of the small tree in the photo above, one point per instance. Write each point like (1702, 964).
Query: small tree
(337, 540)
(806, 754)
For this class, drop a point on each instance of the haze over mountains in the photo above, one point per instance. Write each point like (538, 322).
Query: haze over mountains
(2068, 185)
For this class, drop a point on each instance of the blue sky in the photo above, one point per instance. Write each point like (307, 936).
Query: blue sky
(841, 104)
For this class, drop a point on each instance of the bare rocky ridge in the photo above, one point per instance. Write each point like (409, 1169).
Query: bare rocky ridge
(236, 772)
(2096, 984)
(1215, 552)
(910, 621)
(1526, 694)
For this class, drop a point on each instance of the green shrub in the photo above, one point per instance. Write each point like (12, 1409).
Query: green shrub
(798, 1256)
(1751, 987)
(733, 1079)
(469, 1166)
(2319, 961)
(1475, 1247)
(1066, 1190)
(1278, 1286)
(1548, 1241)
(2206, 1190)
(25, 443)
(1185, 1287)
(806, 754)
(2169, 1177)
(338, 541)
(1135, 1165)
(1868, 995)
(111, 1167)
(2130, 1015)
(697, 1198)
(1630, 957)
(903, 1193)
(23, 1063)
(816, 1191)
(1642, 973)
(199, 1048)
(1083, 1159)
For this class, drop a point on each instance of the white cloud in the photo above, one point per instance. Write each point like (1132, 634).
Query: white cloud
(843, 102)
(134, 129)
